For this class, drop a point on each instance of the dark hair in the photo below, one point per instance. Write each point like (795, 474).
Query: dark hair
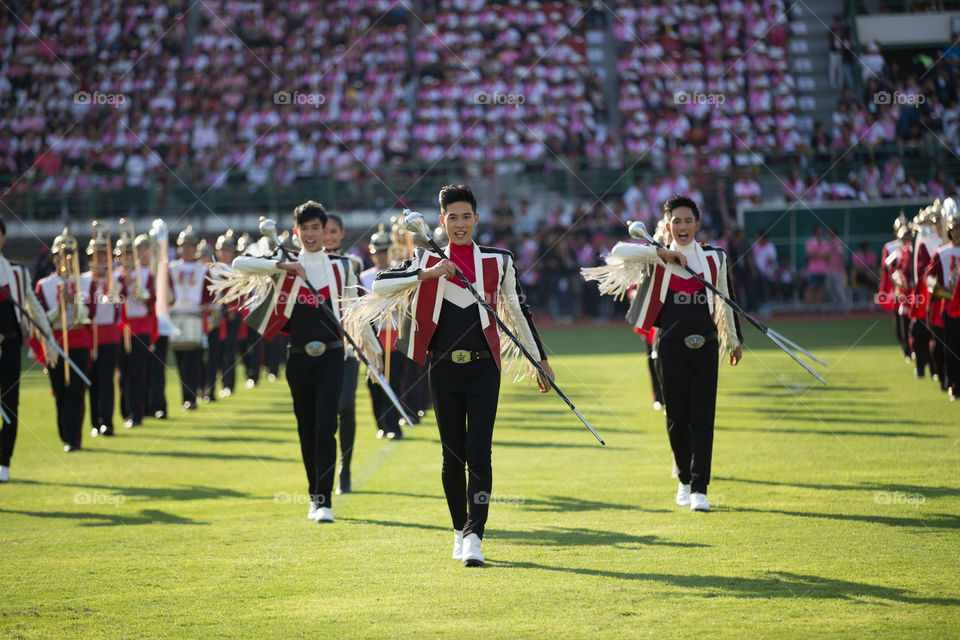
(332, 217)
(3, 227)
(308, 211)
(459, 193)
(678, 201)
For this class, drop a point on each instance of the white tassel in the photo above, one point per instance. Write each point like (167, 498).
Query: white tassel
(512, 360)
(377, 309)
(616, 277)
(228, 286)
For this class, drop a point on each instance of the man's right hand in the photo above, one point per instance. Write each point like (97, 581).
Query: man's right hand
(676, 257)
(441, 269)
(294, 267)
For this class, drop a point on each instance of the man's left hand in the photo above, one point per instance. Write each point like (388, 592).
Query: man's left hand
(735, 356)
(543, 382)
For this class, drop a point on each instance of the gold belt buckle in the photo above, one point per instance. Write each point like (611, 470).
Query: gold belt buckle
(694, 341)
(461, 356)
(315, 348)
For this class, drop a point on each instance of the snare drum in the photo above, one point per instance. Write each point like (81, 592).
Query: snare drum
(190, 325)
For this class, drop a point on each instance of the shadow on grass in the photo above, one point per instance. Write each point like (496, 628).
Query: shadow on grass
(198, 455)
(927, 492)
(922, 521)
(554, 536)
(146, 516)
(550, 504)
(195, 492)
(228, 438)
(775, 584)
(814, 415)
(835, 432)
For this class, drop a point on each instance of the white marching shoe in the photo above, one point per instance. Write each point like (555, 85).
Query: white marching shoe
(683, 495)
(472, 556)
(324, 514)
(698, 502)
(314, 508)
(4, 473)
(457, 545)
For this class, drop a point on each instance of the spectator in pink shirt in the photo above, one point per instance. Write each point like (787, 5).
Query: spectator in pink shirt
(837, 271)
(818, 253)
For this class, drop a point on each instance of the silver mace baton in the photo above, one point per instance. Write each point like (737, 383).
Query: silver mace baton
(414, 223)
(268, 228)
(66, 358)
(639, 230)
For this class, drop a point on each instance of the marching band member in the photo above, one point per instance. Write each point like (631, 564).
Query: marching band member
(15, 331)
(277, 299)
(231, 320)
(211, 332)
(249, 342)
(441, 316)
(138, 290)
(188, 279)
(928, 231)
(105, 327)
(939, 279)
(887, 292)
(333, 234)
(386, 415)
(690, 323)
(68, 299)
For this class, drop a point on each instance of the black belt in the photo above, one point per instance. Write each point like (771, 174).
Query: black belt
(9, 336)
(692, 341)
(462, 356)
(316, 348)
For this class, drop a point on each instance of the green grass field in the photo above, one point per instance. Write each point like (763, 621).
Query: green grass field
(837, 513)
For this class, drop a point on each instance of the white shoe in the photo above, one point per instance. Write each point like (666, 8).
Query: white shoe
(457, 543)
(472, 557)
(683, 495)
(312, 513)
(657, 406)
(4, 474)
(250, 383)
(324, 514)
(698, 502)
(94, 432)
(271, 377)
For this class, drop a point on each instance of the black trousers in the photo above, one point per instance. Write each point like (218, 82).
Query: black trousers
(920, 345)
(654, 374)
(276, 352)
(315, 385)
(465, 402)
(252, 350)
(133, 377)
(386, 415)
(102, 390)
(951, 333)
(348, 412)
(416, 396)
(69, 397)
(938, 354)
(689, 378)
(190, 365)
(211, 364)
(228, 353)
(901, 325)
(9, 396)
(157, 377)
